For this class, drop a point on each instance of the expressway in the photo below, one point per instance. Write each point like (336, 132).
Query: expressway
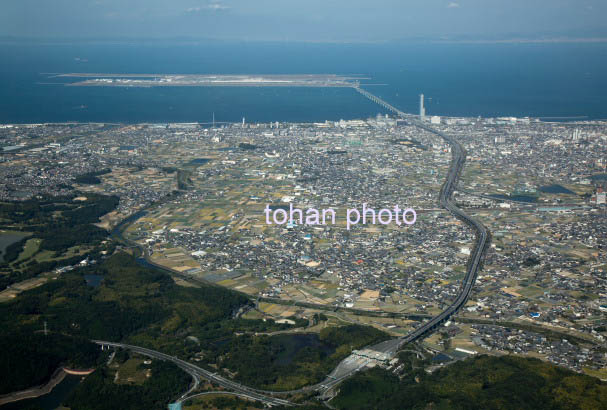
(349, 366)
(483, 239)
(198, 372)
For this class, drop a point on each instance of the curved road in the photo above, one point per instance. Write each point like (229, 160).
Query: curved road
(483, 238)
(198, 372)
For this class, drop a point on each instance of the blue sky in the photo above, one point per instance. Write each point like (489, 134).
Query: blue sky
(308, 20)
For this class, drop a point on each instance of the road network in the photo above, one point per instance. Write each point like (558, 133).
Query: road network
(198, 372)
(353, 364)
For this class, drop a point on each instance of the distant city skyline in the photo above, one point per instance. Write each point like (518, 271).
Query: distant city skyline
(310, 21)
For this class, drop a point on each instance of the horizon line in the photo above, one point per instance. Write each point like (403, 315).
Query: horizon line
(409, 40)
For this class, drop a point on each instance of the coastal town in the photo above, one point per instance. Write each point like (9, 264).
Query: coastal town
(193, 198)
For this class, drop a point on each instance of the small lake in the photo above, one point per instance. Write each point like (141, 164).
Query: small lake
(199, 161)
(48, 401)
(143, 262)
(7, 239)
(93, 280)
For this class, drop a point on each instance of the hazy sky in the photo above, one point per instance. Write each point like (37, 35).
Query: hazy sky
(305, 20)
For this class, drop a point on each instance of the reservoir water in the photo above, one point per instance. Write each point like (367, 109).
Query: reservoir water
(49, 401)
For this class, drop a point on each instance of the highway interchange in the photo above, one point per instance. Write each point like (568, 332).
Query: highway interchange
(197, 373)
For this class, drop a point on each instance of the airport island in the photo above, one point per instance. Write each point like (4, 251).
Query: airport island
(209, 80)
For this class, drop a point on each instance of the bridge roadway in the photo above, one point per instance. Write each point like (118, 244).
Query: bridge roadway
(352, 364)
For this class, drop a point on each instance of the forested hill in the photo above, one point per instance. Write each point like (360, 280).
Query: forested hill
(480, 383)
(130, 298)
(131, 301)
(143, 306)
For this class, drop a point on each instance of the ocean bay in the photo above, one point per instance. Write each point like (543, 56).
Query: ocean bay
(538, 80)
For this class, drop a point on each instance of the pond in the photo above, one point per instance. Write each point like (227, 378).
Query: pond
(93, 280)
(517, 198)
(7, 239)
(143, 262)
(199, 161)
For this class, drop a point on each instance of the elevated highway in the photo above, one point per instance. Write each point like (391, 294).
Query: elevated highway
(350, 365)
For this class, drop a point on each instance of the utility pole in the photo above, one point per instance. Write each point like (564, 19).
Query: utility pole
(45, 329)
